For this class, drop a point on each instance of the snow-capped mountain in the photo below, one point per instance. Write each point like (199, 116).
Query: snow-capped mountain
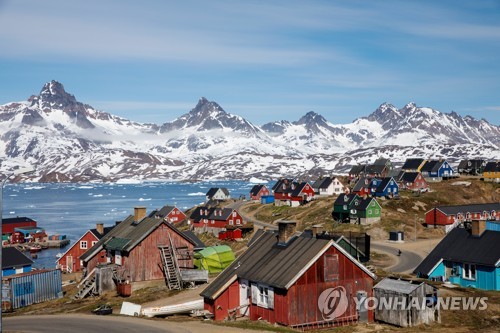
(67, 140)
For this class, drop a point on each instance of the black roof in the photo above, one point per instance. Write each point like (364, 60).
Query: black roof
(357, 169)
(256, 189)
(375, 168)
(214, 190)
(18, 219)
(460, 246)
(105, 231)
(362, 182)
(267, 262)
(409, 177)
(432, 166)
(13, 258)
(198, 243)
(492, 167)
(382, 161)
(163, 212)
(474, 208)
(345, 199)
(474, 164)
(412, 163)
(383, 184)
(210, 213)
(322, 182)
(363, 203)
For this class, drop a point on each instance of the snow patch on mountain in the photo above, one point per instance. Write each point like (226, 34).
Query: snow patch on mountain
(67, 140)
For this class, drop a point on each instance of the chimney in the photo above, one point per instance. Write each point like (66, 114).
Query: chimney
(139, 213)
(286, 230)
(100, 228)
(316, 230)
(478, 227)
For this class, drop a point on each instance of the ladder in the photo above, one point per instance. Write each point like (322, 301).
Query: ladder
(87, 286)
(170, 265)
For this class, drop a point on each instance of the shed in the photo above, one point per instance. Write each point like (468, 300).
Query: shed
(396, 236)
(267, 199)
(406, 303)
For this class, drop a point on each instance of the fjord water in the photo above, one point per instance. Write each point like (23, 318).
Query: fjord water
(72, 209)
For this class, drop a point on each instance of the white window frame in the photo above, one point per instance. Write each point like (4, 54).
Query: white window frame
(94, 243)
(84, 245)
(469, 272)
(262, 296)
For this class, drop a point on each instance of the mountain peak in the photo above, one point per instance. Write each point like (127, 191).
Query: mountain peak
(53, 95)
(311, 118)
(208, 115)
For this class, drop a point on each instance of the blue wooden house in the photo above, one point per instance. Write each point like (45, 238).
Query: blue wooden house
(437, 169)
(384, 187)
(15, 262)
(469, 257)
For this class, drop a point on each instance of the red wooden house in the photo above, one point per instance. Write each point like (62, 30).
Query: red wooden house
(287, 192)
(413, 181)
(134, 244)
(450, 216)
(300, 282)
(215, 220)
(9, 224)
(70, 260)
(258, 191)
(171, 214)
(363, 186)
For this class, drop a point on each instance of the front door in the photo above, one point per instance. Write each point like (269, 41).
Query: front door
(69, 263)
(244, 297)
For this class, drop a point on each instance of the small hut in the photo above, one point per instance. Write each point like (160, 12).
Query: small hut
(406, 303)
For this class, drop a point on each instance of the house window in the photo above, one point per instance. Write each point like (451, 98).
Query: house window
(238, 221)
(263, 296)
(331, 262)
(369, 211)
(94, 243)
(234, 213)
(83, 245)
(377, 211)
(213, 222)
(231, 222)
(469, 271)
(345, 207)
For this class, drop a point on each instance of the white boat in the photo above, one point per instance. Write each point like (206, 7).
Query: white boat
(187, 307)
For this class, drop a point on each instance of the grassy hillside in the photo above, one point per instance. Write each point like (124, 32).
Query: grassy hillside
(396, 214)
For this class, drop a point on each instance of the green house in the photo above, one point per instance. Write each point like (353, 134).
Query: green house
(355, 209)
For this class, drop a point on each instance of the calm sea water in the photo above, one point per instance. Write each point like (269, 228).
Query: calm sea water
(72, 209)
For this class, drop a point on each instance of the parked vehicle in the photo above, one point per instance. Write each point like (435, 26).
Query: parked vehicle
(104, 309)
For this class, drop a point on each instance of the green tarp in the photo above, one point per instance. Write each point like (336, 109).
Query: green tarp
(214, 258)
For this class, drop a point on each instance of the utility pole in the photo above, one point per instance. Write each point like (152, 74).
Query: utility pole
(415, 236)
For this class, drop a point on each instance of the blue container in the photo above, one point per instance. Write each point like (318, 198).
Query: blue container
(267, 199)
(24, 289)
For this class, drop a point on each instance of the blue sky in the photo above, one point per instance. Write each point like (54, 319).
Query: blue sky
(150, 61)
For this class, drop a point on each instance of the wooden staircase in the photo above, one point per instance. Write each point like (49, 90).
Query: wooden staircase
(87, 286)
(170, 265)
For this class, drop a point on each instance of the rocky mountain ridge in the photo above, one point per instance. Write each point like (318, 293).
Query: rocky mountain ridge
(66, 140)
